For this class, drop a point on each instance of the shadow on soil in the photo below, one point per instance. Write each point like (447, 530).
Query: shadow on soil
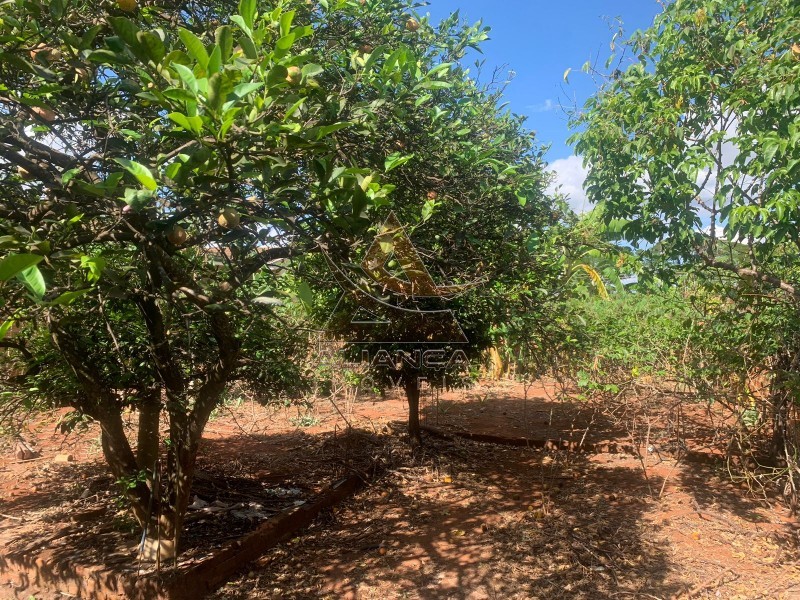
(457, 520)
(478, 521)
(76, 538)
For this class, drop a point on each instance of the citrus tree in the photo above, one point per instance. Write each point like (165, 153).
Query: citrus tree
(164, 167)
(692, 147)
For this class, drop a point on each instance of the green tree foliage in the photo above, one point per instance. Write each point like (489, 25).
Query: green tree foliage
(702, 129)
(694, 147)
(164, 167)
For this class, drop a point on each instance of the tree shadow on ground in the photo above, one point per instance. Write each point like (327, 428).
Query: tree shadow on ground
(716, 497)
(84, 543)
(478, 521)
(674, 426)
(509, 412)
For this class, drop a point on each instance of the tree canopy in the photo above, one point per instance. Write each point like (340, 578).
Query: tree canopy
(693, 148)
(165, 168)
(696, 140)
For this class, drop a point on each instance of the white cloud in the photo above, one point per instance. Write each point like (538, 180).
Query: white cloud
(570, 175)
(545, 106)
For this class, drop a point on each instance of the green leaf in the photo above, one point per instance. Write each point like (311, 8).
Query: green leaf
(285, 43)
(305, 294)
(139, 171)
(224, 39)
(32, 279)
(127, 32)
(312, 70)
(286, 22)
(95, 265)
(243, 89)
(395, 160)
(294, 108)
(194, 46)
(247, 30)
(328, 129)
(88, 37)
(427, 209)
(215, 97)
(194, 124)
(186, 75)
(433, 85)
(566, 75)
(438, 68)
(69, 174)
(247, 9)
(249, 48)
(152, 44)
(26, 66)
(214, 60)
(5, 328)
(108, 57)
(14, 264)
(69, 297)
(57, 8)
(277, 75)
(178, 57)
(179, 94)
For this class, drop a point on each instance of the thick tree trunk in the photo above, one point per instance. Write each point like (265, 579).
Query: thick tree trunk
(120, 458)
(147, 437)
(185, 433)
(100, 403)
(411, 385)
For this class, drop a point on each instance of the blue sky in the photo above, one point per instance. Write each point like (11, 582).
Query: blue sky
(539, 40)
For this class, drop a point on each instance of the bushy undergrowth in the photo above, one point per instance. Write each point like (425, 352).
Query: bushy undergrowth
(630, 336)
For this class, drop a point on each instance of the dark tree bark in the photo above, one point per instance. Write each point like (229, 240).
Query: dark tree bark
(411, 386)
(100, 404)
(147, 436)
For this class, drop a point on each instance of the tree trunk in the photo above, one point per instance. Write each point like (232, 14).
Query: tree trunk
(411, 385)
(186, 431)
(147, 438)
(120, 458)
(158, 545)
(780, 424)
(781, 398)
(100, 403)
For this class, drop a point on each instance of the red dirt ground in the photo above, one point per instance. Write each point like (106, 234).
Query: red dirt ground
(457, 520)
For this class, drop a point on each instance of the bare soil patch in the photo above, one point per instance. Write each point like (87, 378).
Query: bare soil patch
(458, 519)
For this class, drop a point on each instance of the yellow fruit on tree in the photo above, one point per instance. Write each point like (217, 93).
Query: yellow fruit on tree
(294, 75)
(228, 218)
(127, 5)
(24, 174)
(177, 236)
(82, 75)
(44, 53)
(412, 24)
